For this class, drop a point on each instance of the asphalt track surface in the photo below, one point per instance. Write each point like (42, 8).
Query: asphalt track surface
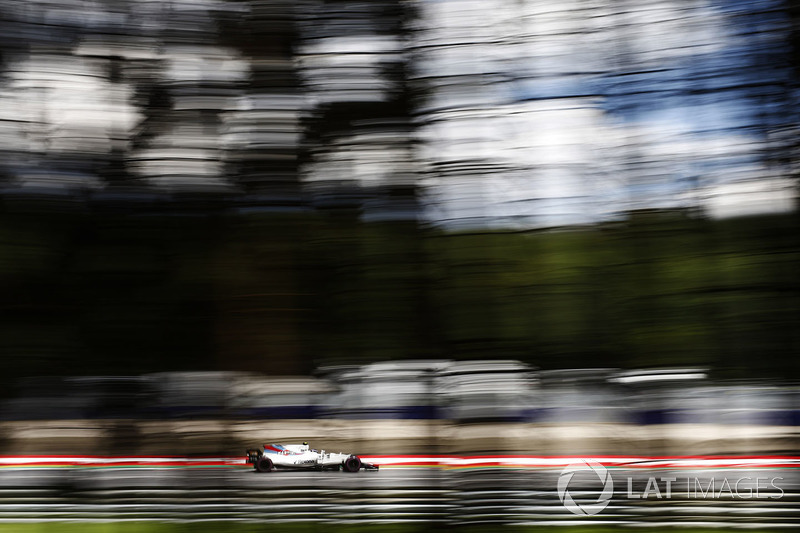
(472, 490)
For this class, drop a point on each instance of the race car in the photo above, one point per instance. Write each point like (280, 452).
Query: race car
(300, 456)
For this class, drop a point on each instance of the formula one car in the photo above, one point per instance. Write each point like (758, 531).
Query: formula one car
(300, 456)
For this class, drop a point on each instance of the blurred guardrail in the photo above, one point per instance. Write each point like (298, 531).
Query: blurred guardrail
(458, 491)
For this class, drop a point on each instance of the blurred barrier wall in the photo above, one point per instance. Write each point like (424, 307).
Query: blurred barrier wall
(518, 495)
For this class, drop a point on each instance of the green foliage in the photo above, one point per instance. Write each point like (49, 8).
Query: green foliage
(126, 294)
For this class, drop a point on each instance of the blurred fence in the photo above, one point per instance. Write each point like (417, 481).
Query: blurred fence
(421, 495)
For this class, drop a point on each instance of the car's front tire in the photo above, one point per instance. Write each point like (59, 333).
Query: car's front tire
(352, 464)
(264, 464)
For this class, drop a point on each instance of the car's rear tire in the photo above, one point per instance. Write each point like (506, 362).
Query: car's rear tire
(352, 464)
(264, 464)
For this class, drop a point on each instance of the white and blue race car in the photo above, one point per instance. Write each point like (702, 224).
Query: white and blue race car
(300, 456)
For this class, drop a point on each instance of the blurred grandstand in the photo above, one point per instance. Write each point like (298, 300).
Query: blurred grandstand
(410, 406)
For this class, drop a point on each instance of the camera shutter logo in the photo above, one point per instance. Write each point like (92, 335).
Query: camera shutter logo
(585, 508)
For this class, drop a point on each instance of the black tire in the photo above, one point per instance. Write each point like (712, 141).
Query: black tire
(352, 464)
(264, 464)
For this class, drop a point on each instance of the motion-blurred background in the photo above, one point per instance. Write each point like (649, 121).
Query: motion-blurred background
(399, 226)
